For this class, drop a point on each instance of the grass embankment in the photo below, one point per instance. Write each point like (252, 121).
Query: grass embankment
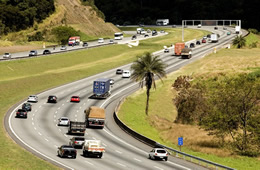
(20, 78)
(159, 124)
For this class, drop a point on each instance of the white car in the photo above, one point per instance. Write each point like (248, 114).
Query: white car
(126, 74)
(101, 40)
(199, 26)
(32, 98)
(63, 121)
(112, 81)
(166, 50)
(7, 55)
(63, 47)
(111, 41)
(158, 153)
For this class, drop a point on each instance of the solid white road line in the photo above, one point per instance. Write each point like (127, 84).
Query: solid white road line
(121, 164)
(89, 162)
(137, 160)
(158, 168)
(118, 152)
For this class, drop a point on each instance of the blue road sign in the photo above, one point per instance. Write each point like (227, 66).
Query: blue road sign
(180, 141)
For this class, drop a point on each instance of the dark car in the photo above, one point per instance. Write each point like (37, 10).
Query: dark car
(21, 113)
(52, 99)
(27, 106)
(134, 37)
(146, 35)
(154, 32)
(197, 42)
(85, 44)
(209, 35)
(119, 71)
(192, 45)
(67, 151)
(46, 52)
(77, 142)
(215, 28)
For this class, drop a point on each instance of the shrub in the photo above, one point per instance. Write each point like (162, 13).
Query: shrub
(252, 30)
(62, 33)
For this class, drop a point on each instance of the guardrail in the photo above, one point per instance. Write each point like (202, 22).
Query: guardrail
(152, 143)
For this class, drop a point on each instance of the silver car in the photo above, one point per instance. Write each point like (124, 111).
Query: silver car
(158, 153)
(77, 142)
(7, 55)
(63, 47)
(63, 121)
(32, 98)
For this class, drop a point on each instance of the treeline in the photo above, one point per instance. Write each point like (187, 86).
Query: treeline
(147, 11)
(19, 15)
(228, 107)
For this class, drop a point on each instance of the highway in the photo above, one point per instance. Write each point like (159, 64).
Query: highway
(40, 134)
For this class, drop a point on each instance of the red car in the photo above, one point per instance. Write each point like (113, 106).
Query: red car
(75, 99)
(203, 41)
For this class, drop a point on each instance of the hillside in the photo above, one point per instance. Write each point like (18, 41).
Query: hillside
(68, 12)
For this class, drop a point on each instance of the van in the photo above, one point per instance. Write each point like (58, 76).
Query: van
(126, 74)
(101, 40)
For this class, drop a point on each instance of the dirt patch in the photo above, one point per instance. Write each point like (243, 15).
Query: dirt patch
(19, 48)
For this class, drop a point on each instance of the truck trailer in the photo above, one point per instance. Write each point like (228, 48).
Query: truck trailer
(101, 88)
(95, 117)
(178, 47)
(214, 38)
(77, 128)
(237, 29)
(186, 53)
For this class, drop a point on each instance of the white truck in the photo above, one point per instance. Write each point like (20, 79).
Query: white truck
(162, 22)
(214, 38)
(93, 148)
(237, 29)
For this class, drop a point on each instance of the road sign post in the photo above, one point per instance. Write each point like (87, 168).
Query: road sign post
(180, 142)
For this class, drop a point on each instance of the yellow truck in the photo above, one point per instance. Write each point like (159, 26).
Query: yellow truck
(95, 117)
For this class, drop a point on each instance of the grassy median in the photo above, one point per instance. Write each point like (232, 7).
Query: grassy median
(159, 124)
(20, 78)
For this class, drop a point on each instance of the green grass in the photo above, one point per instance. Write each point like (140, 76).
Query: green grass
(251, 38)
(20, 78)
(132, 112)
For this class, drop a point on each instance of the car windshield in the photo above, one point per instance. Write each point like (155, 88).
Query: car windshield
(21, 110)
(80, 139)
(6, 53)
(68, 147)
(161, 151)
(64, 119)
(75, 97)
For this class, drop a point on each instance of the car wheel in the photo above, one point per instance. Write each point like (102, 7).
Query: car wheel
(165, 159)
(149, 157)
(100, 155)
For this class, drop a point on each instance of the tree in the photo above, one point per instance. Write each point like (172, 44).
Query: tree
(239, 41)
(144, 70)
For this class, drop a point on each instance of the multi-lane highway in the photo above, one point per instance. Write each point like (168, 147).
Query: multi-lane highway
(40, 134)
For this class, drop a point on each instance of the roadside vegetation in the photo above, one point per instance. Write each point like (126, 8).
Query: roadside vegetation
(161, 125)
(20, 78)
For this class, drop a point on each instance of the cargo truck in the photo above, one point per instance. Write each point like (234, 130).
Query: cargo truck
(101, 88)
(95, 117)
(214, 38)
(93, 148)
(178, 47)
(74, 41)
(77, 128)
(186, 53)
(237, 29)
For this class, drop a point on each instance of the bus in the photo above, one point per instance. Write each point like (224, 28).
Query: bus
(119, 36)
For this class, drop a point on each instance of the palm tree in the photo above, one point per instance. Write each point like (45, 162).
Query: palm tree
(144, 70)
(239, 41)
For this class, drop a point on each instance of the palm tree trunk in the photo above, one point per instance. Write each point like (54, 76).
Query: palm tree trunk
(147, 101)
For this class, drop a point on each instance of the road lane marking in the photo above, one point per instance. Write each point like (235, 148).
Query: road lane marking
(118, 152)
(104, 144)
(58, 108)
(76, 116)
(32, 118)
(94, 138)
(56, 112)
(39, 133)
(121, 164)
(60, 130)
(137, 160)
(158, 167)
(36, 110)
(46, 139)
(40, 106)
(35, 128)
(32, 123)
(62, 104)
(89, 162)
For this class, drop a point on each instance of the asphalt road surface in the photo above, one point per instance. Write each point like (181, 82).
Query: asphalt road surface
(40, 134)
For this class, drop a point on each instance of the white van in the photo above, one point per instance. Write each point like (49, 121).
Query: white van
(126, 74)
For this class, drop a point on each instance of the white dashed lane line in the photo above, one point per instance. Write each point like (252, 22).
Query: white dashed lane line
(39, 133)
(32, 118)
(60, 130)
(118, 152)
(36, 110)
(104, 144)
(137, 160)
(62, 104)
(33, 123)
(121, 164)
(89, 163)
(40, 106)
(94, 138)
(35, 128)
(158, 168)
(46, 139)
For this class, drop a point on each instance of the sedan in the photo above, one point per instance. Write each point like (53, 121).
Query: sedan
(197, 42)
(158, 153)
(215, 28)
(46, 52)
(63, 47)
(27, 106)
(77, 142)
(111, 41)
(101, 40)
(192, 45)
(134, 37)
(67, 151)
(21, 113)
(119, 71)
(146, 35)
(75, 99)
(33, 53)
(7, 55)
(203, 41)
(166, 50)
(63, 121)
(85, 44)
(52, 99)
(32, 98)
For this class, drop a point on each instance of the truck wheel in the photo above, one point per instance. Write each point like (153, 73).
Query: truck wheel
(100, 155)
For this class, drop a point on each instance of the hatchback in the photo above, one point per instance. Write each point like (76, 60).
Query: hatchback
(63, 121)
(158, 153)
(46, 52)
(7, 55)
